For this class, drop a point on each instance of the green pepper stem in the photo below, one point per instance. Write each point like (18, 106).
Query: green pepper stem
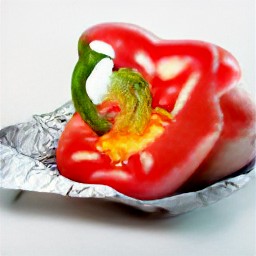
(127, 87)
(88, 59)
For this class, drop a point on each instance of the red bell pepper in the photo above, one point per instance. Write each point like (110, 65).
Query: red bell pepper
(130, 141)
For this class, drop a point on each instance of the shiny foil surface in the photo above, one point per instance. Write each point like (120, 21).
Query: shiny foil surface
(28, 163)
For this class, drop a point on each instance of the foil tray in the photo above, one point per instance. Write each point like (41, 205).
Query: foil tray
(28, 163)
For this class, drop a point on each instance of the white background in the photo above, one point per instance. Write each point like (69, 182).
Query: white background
(38, 53)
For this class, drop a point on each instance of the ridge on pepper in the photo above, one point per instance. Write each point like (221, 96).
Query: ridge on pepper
(163, 115)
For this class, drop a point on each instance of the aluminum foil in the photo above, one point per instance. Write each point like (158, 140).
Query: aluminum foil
(28, 163)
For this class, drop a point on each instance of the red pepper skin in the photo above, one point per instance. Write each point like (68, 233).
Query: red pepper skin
(130, 42)
(235, 147)
(167, 163)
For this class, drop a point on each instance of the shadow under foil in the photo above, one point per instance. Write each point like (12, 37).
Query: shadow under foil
(103, 212)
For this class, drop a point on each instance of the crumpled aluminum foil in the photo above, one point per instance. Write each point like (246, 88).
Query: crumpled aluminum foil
(28, 163)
